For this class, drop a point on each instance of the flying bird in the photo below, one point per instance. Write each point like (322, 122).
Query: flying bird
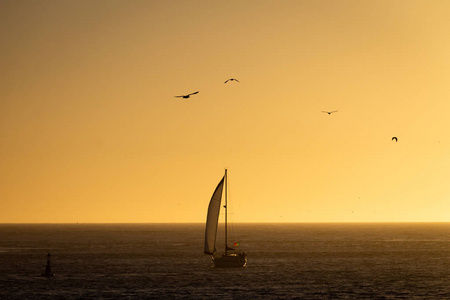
(231, 79)
(186, 96)
(329, 112)
(395, 138)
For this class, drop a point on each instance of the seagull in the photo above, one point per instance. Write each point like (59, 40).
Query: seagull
(186, 96)
(395, 138)
(329, 112)
(231, 79)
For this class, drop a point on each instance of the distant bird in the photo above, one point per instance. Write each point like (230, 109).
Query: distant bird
(395, 139)
(186, 96)
(329, 112)
(231, 79)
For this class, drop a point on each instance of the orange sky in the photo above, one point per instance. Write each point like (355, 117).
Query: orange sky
(91, 132)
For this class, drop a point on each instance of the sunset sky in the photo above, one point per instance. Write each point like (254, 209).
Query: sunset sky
(90, 130)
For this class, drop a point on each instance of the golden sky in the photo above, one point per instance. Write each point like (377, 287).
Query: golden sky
(90, 130)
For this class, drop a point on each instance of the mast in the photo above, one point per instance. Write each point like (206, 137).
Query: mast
(226, 208)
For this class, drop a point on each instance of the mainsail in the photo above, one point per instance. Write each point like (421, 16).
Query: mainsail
(213, 219)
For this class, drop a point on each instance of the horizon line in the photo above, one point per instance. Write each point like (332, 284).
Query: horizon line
(318, 222)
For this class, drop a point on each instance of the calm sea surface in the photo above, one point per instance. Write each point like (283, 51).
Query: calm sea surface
(166, 261)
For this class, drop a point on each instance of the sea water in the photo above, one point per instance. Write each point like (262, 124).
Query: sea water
(285, 261)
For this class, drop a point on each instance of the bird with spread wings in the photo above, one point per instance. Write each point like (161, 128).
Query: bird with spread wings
(186, 96)
(329, 112)
(231, 79)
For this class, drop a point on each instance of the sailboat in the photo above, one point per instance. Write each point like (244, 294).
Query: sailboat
(229, 259)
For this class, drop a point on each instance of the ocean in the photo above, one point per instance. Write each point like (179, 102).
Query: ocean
(285, 261)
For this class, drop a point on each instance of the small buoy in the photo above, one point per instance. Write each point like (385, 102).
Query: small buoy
(48, 268)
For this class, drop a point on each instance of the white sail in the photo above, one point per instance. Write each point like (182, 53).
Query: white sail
(213, 219)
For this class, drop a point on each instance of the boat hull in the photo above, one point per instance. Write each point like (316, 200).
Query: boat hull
(234, 260)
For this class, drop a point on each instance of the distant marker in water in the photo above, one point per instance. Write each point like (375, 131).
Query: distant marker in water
(48, 268)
